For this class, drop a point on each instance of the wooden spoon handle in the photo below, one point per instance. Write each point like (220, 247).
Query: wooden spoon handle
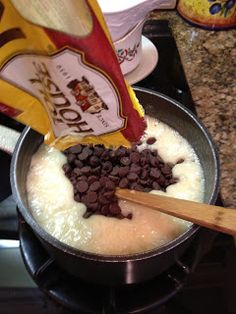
(210, 216)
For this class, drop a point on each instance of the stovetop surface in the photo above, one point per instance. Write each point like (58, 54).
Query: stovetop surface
(208, 289)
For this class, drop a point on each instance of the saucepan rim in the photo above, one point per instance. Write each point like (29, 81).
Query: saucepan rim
(38, 230)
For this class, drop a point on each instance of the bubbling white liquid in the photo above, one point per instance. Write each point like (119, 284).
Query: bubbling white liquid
(50, 198)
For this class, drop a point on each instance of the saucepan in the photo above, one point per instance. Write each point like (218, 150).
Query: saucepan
(135, 268)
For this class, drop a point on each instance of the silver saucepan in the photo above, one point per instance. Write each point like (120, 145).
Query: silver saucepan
(117, 270)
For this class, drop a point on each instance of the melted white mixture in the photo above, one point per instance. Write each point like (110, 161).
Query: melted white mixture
(50, 197)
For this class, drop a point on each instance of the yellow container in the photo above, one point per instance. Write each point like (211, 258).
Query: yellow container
(210, 14)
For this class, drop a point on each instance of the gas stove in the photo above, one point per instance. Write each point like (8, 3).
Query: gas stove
(202, 281)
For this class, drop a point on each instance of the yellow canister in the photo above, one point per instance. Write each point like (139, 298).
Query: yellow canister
(210, 14)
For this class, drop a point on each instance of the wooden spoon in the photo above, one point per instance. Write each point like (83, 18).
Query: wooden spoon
(213, 217)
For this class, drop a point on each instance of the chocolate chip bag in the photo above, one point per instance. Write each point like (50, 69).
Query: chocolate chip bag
(59, 74)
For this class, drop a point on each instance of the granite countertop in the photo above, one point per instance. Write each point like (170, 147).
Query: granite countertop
(209, 60)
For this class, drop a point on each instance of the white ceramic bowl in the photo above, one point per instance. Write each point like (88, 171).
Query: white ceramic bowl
(122, 15)
(129, 49)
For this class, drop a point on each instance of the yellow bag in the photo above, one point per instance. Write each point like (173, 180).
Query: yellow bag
(59, 74)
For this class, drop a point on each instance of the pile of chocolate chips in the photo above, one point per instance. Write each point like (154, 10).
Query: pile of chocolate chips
(96, 172)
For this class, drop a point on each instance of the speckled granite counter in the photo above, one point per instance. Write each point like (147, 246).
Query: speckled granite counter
(209, 60)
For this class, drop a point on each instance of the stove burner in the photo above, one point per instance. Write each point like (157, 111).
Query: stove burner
(81, 296)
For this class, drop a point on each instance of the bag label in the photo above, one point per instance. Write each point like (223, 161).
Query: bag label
(76, 103)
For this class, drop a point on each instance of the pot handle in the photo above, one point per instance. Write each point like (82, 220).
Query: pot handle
(8, 139)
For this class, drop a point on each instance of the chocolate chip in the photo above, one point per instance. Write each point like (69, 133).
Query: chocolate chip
(75, 149)
(139, 187)
(115, 171)
(82, 186)
(155, 173)
(88, 150)
(73, 181)
(147, 189)
(83, 156)
(71, 158)
(170, 164)
(84, 199)
(173, 180)
(109, 185)
(135, 168)
(144, 182)
(135, 157)
(143, 161)
(125, 161)
(77, 197)
(132, 176)
(114, 179)
(155, 185)
(105, 155)
(120, 152)
(154, 161)
(103, 200)
(95, 186)
(95, 172)
(151, 140)
(144, 174)
(112, 155)
(87, 214)
(114, 209)
(77, 171)
(161, 180)
(92, 197)
(154, 153)
(78, 163)
(92, 179)
(165, 169)
(103, 180)
(98, 150)
(146, 152)
(124, 182)
(94, 161)
(129, 216)
(105, 210)
(107, 166)
(66, 168)
(109, 194)
(82, 178)
(93, 207)
(123, 171)
(86, 170)
(133, 185)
